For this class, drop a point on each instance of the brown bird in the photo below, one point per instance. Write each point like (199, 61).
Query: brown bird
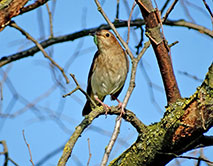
(108, 71)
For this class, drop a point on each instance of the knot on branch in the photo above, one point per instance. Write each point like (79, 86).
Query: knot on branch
(154, 34)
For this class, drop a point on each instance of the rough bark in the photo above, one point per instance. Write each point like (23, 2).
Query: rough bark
(180, 130)
(162, 51)
(9, 9)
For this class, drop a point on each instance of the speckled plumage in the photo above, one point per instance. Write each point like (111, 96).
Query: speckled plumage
(108, 70)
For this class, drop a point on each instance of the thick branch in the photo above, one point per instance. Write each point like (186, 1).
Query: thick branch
(204, 141)
(31, 51)
(9, 9)
(162, 51)
(129, 116)
(180, 130)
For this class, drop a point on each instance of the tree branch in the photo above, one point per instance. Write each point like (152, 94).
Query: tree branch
(180, 130)
(5, 152)
(71, 37)
(129, 116)
(205, 141)
(33, 6)
(161, 49)
(28, 36)
(9, 9)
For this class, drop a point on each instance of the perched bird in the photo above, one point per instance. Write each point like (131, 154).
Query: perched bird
(108, 71)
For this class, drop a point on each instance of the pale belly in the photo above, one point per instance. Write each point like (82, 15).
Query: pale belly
(105, 83)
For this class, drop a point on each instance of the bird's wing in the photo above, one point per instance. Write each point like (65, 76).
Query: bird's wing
(92, 68)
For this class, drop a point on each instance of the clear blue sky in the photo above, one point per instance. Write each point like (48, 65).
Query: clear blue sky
(51, 122)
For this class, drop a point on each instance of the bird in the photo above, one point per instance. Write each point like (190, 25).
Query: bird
(108, 71)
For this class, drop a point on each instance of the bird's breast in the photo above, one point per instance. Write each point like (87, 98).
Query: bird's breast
(109, 74)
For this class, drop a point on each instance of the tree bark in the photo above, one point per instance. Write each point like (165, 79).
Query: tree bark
(180, 130)
(162, 51)
(9, 9)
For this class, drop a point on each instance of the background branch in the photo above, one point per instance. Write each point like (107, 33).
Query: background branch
(129, 116)
(28, 36)
(73, 36)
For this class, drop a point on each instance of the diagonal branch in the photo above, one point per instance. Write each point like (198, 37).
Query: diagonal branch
(33, 6)
(28, 36)
(129, 116)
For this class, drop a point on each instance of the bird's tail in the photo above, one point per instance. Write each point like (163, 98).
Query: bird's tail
(87, 108)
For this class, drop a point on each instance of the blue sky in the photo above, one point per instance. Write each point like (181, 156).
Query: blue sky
(32, 77)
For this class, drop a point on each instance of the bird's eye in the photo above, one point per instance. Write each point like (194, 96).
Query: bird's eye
(107, 34)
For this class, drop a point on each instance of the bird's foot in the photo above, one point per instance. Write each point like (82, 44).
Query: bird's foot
(106, 107)
(120, 106)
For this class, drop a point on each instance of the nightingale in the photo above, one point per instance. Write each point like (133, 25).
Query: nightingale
(108, 71)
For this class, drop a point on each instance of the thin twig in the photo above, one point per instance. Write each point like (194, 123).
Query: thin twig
(114, 29)
(194, 77)
(165, 5)
(5, 152)
(85, 32)
(209, 10)
(90, 154)
(169, 11)
(117, 10)
(28, 146)
(130, 16)
(112, 141)
(28, 36)
(189, 157)
(78, 87)
(129, 116)
(135, 62)
(50, 20)
(172, 44)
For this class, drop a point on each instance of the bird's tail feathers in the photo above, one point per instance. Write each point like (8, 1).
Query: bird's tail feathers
(87, 108)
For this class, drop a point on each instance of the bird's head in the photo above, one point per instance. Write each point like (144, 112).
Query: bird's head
(104, 39)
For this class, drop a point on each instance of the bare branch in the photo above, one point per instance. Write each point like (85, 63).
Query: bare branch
(8, 10)
(165, 5)
(205, 141)
(190, 157)
(112, 141)
(5, 152)
(129, 116)
(70, 37)
(28, 146)
(169, 10)
(130, 16)
(117, 10)
(209, 10)
(90, 154)
(50, 20)
(79, 88)
(33, 6)
(28, 36)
